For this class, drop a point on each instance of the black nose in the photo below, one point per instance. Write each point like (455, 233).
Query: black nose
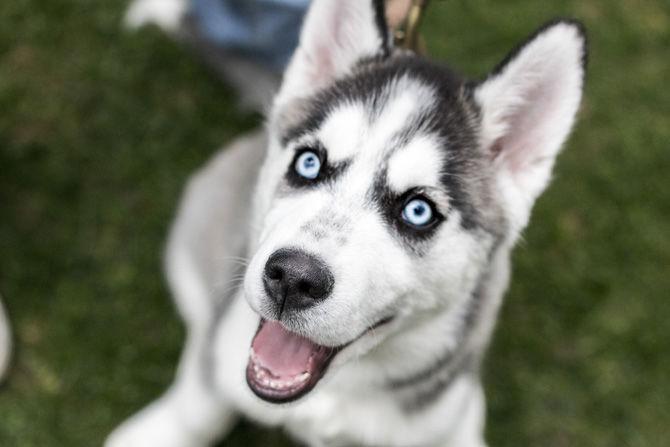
(296, 280)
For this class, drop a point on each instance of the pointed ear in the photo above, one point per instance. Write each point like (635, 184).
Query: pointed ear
(528, 105)
(335, 35)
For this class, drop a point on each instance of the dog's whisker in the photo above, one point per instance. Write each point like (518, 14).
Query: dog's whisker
(244, 262)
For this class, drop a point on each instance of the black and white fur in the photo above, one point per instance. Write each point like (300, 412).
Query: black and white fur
(390, 122)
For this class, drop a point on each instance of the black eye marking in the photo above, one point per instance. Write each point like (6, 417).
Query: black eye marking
(415, 214)
(310, 167)
(418, 212)
(392, 205)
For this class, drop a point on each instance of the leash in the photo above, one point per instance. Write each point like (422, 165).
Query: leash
(407, 35)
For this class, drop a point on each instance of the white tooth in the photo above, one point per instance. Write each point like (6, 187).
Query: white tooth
(303, 377)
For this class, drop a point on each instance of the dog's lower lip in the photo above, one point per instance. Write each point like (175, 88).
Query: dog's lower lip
(283, 387)
(381, 322)
(377, 325)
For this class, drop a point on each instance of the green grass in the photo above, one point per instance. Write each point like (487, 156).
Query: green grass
(100, 128)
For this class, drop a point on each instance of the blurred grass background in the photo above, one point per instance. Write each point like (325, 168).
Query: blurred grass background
(99, 128)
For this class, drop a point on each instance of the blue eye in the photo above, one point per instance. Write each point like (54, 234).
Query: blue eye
(308, 165)
(418, 213)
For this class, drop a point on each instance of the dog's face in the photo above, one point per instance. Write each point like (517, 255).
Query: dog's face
(388, 183)
(371, 186)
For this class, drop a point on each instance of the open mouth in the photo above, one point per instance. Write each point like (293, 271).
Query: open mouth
(284, 366)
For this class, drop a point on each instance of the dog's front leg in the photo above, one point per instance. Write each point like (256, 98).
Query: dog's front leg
(469, 432)
(189, 414)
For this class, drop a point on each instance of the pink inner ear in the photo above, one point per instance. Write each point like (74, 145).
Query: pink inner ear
(530, 126)
(497, 148)
(323, 66)
(323, 54)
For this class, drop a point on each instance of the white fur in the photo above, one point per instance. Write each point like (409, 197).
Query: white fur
(418, 164)
(167, 14)
(342, 146)
(429, 296)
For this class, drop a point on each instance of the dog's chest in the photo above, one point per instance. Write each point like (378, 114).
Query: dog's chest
(337, 418)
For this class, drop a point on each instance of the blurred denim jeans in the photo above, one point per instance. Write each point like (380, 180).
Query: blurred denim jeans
(265, 31)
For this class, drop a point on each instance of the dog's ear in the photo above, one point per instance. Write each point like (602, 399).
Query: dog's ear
(528, 105)
(335, 35)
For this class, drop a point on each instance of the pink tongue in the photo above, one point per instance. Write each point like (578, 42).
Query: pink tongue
(281, 352)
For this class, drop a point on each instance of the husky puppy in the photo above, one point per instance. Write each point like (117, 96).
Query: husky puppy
(370, 226)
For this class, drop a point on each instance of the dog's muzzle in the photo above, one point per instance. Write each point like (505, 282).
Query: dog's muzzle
(284, 365)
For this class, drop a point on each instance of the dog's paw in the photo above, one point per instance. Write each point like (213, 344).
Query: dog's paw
(167, 14)
(153, 426)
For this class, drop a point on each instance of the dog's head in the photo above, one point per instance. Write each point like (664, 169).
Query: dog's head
(388, 182)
